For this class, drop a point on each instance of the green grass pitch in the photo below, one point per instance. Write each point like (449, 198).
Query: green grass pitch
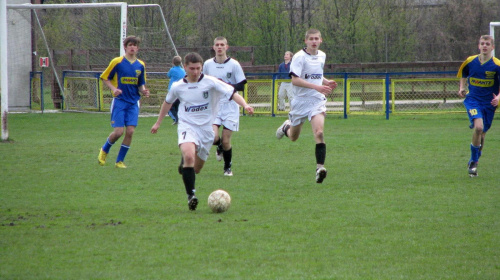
(397, 203)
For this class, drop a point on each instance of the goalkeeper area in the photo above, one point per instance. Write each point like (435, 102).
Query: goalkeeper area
(45, 40)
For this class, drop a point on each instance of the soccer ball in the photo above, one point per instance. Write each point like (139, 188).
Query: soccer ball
(219, 201)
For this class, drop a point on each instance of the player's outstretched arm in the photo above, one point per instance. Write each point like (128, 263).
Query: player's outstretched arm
(165, 107)
(241, 101)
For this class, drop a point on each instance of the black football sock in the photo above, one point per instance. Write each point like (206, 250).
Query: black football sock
(320, 153)
(189, 177)
(228, 156)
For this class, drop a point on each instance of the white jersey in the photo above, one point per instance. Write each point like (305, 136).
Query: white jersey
(199, 102)
(230, 71)
(310, 68)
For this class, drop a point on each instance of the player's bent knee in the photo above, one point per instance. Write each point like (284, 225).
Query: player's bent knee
(117, 135)
(319, 134)
(478, 129)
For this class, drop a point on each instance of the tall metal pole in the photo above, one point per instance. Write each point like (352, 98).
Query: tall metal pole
(4, 86)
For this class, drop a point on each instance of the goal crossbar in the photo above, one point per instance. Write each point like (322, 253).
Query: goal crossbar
(62, 6)
(122, 5)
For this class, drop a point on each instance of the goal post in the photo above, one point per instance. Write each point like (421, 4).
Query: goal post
(493, 24)
(4, 83)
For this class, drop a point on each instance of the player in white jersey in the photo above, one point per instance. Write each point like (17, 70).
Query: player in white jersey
(199, 97)
(310, 89)
(228, 70)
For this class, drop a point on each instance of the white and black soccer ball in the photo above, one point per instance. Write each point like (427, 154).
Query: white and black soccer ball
(219, 201)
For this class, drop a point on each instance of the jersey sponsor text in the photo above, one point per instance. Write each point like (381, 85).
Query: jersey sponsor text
(197, 108)
(314, 76)
(481, 82)
(129, 80)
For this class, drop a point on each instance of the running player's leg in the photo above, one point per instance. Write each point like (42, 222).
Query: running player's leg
(290, 128)
(294, 131)
(217, 142)
(112, 138)
(317, 124)
(475, 146)
(131, 119)
(230, 123)
(227, 152)
(198, 164)
(188, 151)
(124, 148)
(476, 123)
(118, 123)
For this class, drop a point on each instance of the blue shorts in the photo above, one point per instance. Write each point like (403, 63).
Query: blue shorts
(124, 113)
(477, 110)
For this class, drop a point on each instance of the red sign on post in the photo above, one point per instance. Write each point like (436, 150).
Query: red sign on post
(44, 62)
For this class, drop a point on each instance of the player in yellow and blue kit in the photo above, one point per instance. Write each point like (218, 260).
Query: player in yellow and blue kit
(126, 77)
(480, 74)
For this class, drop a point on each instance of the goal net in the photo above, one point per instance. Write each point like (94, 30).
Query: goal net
(79, 40)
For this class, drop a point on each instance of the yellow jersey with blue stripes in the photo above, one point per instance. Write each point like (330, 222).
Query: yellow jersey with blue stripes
(482, 78)
(127, 76)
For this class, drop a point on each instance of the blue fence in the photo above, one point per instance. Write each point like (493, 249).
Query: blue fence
(357, 93)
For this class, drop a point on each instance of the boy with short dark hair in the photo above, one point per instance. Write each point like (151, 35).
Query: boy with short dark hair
(199, 97)
(126, 77)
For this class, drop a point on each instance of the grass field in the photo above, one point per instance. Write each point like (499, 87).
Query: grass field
(397, 203)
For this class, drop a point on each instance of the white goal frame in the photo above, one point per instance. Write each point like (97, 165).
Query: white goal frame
(4, 7)
(4, 42)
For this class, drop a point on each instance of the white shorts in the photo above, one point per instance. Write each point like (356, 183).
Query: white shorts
(305, 108)
(203, 138)
(228, 115)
